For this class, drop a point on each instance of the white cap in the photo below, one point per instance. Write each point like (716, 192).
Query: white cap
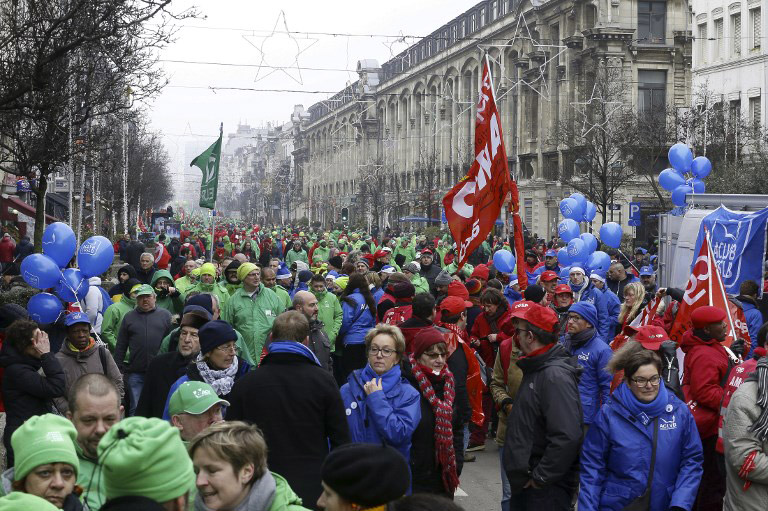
(577, 269)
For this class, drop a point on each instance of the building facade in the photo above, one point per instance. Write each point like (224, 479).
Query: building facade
(391, 144)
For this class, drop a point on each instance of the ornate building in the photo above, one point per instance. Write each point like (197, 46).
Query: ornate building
(391, 144)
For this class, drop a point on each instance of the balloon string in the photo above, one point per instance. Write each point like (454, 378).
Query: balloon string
(82, 309)
(630, 260)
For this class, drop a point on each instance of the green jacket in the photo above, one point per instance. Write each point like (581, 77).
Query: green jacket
(408, 252)
(293, 256)
(215, 289)
(173, 304)
(284, 296)
(253, 317)
(420, 283)
(113, 316)
(330, 313)
(182, 284)
(467, 269)
(285, 498)
(94, 494)
(322, 252)
(231, 288)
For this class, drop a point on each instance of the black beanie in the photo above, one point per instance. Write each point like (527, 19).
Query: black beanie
(128, 285)
(335, 261)
(233, 266)
(400, 260)
(534, 293)
(366, 474)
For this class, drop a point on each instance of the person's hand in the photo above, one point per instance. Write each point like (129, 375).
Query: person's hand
(492, 337)
(661, 292)
(171, 290)
(372, 386)
(532, 484)
(508, 408)
(41, 343)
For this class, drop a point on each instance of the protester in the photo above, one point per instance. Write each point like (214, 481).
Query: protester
(306, 303)
(193, 407)
(146, 269)
(359, 316)
(295, 403)
(18, 500)
(643, 449)
(561, 305)
(748, 291)
(585, 291)
(113, 317)
(269, 279)
(209, 284)
(428, 270)
(618, 278)
(168, 297)
(26, 392)
(632, 305)
(329, 311)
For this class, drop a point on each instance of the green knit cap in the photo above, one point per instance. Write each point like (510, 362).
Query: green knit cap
(145, 457)
(17, 500)
(43, 439)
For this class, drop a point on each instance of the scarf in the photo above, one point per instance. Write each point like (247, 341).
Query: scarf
(443, 410)
(492, 319)
(578, 290)
(452, 341)
(293, 347)
(91, 344)
(760, 427)
(644, 412)
(575, 341)
(221, 380)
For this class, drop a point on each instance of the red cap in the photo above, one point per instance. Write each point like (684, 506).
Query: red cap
(542, 317)
(454, 305)
(426, 251)
(379, 254)
(425, 339)
(519, 309)
(706, 315)
(456, 288)
(563, 288)
(480, 271)
(651, 336)
(549, 275)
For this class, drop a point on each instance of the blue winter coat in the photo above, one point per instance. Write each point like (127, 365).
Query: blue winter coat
(594, 296)
(613, 306)
(300, 286)
(754, 322)
(354, 332)
(595, 381)
(616, 459)
(390, 415)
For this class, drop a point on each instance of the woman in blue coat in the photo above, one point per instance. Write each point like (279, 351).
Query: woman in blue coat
(358, 316)
(616, 455)
(381, 405)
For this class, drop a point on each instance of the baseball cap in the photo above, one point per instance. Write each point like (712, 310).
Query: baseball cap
(426, 251)
(647, 271)
(550, 253)
(74, 318)
(387, 269)
(640, 250)
(144, 289)
(519, 309)
(542, 317)
(193, 397)
(454, 305)
(548, 275)
(651, 336)
(563, 288)
(706, 315)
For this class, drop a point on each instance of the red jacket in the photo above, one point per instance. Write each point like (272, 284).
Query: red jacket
(7, 246)
(704, 370)
(481, 328)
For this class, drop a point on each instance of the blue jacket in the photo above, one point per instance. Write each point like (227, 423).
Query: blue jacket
(300, 286)
(613, 306)
(512, 295)
(616, 459)
(354, 332)
(595, 381)
(541, 269)
(594, 296)
(390, 415)
(754, 322)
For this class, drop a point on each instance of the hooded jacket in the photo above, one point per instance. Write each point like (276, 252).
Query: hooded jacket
(173, 303)
(754, 320)
(590, 294)
(113, 317)
(420, 284)
(253, 317)
(142, 333)
(329, 312)
(94, 302)
(616, 458)
(77, 363)
(357, 320)
(296, 255)
(118, 288)
(212, 289)
(704, 369)
(265, 495)
(544, 433)
(595, 382)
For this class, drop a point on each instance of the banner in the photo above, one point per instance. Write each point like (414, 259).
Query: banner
(208, 161)
(738, 245)
(474, 203)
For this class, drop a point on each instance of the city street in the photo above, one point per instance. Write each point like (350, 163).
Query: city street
(480, 488)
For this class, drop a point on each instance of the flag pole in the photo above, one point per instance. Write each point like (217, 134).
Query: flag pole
(213, 211)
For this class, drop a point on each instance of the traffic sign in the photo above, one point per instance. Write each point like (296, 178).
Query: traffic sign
(634, 214)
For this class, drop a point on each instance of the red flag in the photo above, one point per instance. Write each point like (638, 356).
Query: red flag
(141, 225)
(474, 203)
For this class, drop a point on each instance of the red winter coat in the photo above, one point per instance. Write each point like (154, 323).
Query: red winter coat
(7, 246)
(481, 328)
(704, 370)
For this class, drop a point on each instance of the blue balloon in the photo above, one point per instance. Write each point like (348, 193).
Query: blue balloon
(59, 243)
(95, 256)
(590, 211)
(565, 273)
(590, 242)
(568, 229)
(680, 157)
(562, 257)
(701, 167)
(697, 185)
(73, 285)
(40, 271)
(580, 200)
(504, 261)
(610, 234)
(669, 179)
(44, 308)
(570, 208)
(679, 193)
(577, 249)
(599, 261)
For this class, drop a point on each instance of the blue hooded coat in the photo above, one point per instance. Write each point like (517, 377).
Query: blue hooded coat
(355, 321)
(595, 382)
(587, 292)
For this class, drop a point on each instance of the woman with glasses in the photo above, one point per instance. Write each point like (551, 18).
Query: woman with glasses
(218, 363)
(381, 406)
(643, 449)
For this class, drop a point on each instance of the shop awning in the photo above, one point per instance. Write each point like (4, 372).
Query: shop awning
(28, 210)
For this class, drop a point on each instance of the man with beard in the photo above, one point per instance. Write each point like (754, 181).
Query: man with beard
(230, 281)
(168, 297)
(329, 309)
(648, 278)
(94, 407)
(166, 368)
(306, 303)
(428, 270)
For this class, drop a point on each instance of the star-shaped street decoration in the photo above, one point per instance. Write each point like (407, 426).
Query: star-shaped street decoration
(583, 107)
(397, 50)
(292, 69)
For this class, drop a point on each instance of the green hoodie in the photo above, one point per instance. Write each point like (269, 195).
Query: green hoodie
(182, 284)
(284, 296)
(293, 256)
(113, 316)
(94, 493)
(285, 498)
(227, 245)
(330, 313)
(408, 252)
(214, 289)
(467, 269)
(173, 304)
(420, 283)
(322, 253)
(253, 317)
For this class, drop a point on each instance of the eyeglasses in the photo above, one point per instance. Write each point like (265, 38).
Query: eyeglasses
(231, 348)
(518, 330)
(642, 382)
(574, 318)
(434, 355)
(385, 352)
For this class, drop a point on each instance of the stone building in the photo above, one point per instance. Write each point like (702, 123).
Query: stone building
(391, 144)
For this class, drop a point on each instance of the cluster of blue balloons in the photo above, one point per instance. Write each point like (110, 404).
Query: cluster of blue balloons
(578, 208)
(504, 261)
(675, 180)
(46, 270)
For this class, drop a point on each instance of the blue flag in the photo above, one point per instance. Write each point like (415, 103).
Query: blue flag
(738, 245)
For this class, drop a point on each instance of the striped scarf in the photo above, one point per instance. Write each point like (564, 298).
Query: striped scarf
(443, 410)
(760, 427)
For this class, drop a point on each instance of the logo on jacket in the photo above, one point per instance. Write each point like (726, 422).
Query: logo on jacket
(584, 356)
(666, 425)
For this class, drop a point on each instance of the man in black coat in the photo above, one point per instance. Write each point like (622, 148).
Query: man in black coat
(544, 432)
(429, 270)
(133, 252)
(296, 404)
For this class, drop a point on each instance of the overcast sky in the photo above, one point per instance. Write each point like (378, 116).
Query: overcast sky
(240, 32)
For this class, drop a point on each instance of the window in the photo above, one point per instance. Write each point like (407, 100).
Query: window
(736, 34)
(651, 92)
(463, 28)
(528, 211)
(702, 43)
(754, 111)
(651, 21)
(454, 33)
(734, 111)
(473, 23)
(482, 18)
(754, 17)
(494, 9)
(719, 43)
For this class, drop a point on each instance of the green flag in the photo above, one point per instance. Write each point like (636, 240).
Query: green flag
(208, 162)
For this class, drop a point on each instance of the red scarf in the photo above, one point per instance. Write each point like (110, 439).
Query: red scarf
(443, 410)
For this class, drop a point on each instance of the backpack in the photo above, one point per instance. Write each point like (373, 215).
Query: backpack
(397, 315)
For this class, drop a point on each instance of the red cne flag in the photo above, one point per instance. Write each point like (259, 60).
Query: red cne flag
(473, 204)
(706, 288)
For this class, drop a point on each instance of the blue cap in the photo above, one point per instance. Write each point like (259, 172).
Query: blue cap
(647, 271)
(550, 253)
(283, 272)
(640, 250)
(332, 273)
(74, 318)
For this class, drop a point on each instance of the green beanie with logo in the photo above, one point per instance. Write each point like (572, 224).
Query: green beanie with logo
(145, 457)
(17, 500)
(43, 439)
